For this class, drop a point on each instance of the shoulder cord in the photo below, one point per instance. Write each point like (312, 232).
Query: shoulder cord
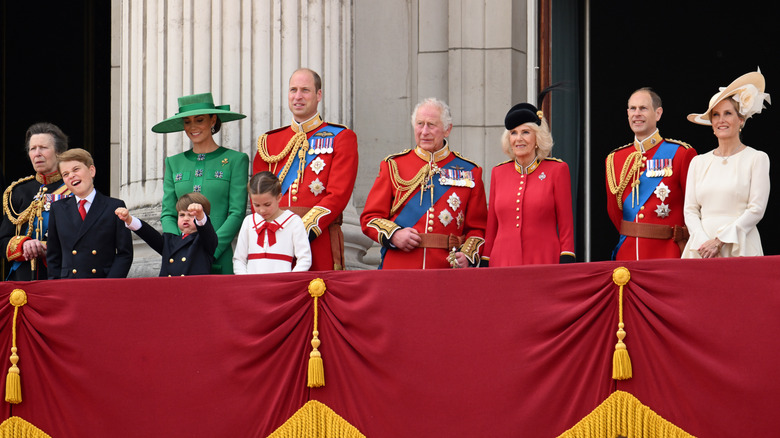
(629, 173)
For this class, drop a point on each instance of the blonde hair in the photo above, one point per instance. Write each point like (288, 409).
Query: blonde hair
(77, 154)
(544, 140)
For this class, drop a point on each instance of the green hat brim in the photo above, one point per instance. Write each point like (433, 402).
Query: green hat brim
(176, 124)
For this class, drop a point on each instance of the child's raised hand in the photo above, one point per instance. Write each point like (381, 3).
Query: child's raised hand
(197, 209)
(124, 215)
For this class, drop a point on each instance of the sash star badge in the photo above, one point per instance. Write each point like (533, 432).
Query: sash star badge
(454, 201)
(662, 191)
(316, 187)
(317, 165)
(461, 218)
(542, 176)
(445, 217)
(662, 210)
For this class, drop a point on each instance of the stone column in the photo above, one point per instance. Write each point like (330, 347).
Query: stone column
(243, 52)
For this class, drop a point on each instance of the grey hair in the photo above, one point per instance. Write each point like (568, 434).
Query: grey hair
(444, 109)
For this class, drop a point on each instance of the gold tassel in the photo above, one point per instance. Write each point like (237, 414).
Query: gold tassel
(621, 362)
(13, 383)
(316, 368)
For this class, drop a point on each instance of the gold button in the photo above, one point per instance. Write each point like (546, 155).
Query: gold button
(94, 252)
(182, 275)
(641, 216)
(295, 199)
(518, 193)
(170, 261)
(517, 226)
(518, 218)
(94, 271)
(75, 252)
(430, 222)
(74, 271)
(430, 229)
(522, 182)
(430, 215)
(431, 209)
(295, 185)
(644, 158)
(642, 207)
(169, 275)
(518, 201)
(184, 259)
(294, 191)
(517, 209)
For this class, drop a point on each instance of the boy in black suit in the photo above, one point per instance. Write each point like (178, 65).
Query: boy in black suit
(192, 253)
(85, 238)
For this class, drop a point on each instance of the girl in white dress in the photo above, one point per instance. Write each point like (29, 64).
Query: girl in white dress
(270, 240)
(728, 188)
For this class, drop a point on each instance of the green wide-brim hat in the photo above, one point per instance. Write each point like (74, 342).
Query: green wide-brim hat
(195, 105)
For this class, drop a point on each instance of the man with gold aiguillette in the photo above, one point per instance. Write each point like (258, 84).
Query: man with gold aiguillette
(26, 204)
(427, 207)
(646, 185)
(317, 164)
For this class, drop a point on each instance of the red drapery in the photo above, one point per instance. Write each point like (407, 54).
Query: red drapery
(521, 351)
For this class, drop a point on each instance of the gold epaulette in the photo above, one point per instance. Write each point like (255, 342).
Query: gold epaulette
(457, 154)
(679, 142)
(504, 162)
(621, 147)
(404, 152)
(554, 159)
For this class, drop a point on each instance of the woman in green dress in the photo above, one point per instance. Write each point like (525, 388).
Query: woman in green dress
(219, 173)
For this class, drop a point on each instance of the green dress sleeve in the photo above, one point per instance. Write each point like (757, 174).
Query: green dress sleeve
(237, 198)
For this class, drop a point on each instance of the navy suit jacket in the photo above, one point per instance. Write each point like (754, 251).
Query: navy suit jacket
(191, 255)
(100, 246)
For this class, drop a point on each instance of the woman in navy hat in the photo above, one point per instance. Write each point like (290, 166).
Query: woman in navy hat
(219, 173)
(529, 208)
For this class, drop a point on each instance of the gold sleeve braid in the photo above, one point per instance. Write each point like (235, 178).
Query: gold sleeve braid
(27, 215)
(628, 174)
(385, 227)
(312, 217)
(470, 248)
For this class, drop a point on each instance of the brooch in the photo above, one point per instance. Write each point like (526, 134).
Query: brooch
(201, 157)
(199, 173)
(225, 161)
(542, 176)
(196, 188)
(178, 177)
(218, 174)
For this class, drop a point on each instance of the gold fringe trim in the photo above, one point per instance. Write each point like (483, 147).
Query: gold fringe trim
(621, 362)
(622, 414)
(16, 427)
(316, 420)
(316, 369)
(13, 383)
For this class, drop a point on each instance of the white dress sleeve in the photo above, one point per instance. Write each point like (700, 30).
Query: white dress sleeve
(301, 247)
(241, 253)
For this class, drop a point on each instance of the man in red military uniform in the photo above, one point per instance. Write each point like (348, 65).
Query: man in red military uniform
(317, 164)
(427, 206)
(646, 186)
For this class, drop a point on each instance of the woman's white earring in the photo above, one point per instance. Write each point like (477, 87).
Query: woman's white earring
(213, 131)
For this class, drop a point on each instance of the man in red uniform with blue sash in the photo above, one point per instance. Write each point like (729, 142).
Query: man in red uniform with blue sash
(317, 164)
(646, 186)
(427, 207)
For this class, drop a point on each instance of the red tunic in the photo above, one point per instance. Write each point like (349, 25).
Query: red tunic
(460, 211)
(325, 186)
(530, 215)
(639, 248)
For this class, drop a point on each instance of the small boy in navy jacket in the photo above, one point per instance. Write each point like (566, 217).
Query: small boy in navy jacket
(190, 253)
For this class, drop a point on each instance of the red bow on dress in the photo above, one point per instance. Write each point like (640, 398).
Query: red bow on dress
(268, 228)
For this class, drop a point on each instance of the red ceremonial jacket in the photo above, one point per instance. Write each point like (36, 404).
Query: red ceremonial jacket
(530, 214)
(324, 187)
(460, 211)
(619, 162)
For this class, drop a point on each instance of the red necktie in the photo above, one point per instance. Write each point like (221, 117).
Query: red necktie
(82, 210)
(268, 228)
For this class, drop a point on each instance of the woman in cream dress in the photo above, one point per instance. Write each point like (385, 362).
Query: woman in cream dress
(728, 187)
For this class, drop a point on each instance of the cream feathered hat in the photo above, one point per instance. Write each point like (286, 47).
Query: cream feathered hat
(748, 93)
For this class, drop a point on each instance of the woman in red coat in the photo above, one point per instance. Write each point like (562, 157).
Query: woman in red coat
(529, 208)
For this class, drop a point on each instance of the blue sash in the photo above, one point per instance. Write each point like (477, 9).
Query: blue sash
(647, 185)
(413, 211)
(292, 174)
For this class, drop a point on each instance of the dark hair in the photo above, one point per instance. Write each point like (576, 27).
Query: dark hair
(317, 78)
(193, 198)
(264, 182)
(217, 125)
(60, 139)
(654, 97)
